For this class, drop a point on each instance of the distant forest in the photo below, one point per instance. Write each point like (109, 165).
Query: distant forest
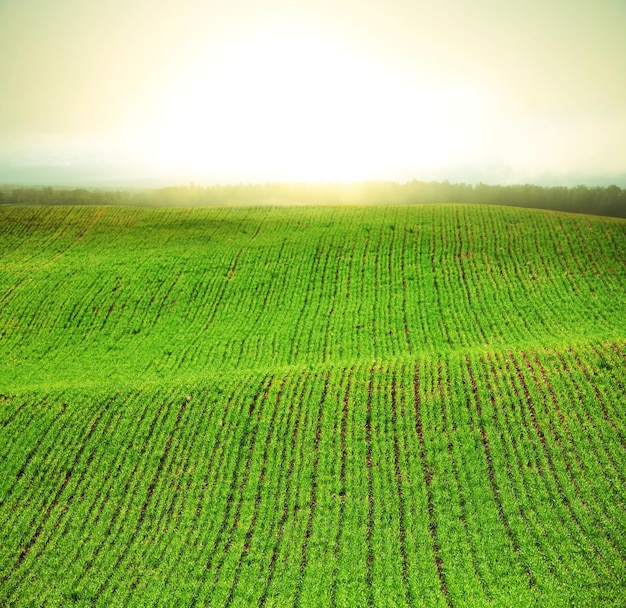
(608, 201)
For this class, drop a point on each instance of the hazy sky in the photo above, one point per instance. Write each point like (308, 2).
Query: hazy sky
(237, 90)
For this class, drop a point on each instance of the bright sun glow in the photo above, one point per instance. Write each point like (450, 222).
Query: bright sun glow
(292, 104)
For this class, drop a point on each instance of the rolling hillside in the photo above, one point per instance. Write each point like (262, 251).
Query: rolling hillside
(318, 406)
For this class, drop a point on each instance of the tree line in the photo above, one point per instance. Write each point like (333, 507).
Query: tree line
(598, 200)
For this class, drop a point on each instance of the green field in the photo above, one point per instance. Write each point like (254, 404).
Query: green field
(313, 406)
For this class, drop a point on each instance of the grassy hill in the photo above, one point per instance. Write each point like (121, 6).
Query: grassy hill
(412, 406)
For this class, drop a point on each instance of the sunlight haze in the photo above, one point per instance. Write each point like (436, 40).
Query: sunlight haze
(306, 91)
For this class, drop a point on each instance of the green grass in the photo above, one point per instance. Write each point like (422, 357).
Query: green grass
(327, 406)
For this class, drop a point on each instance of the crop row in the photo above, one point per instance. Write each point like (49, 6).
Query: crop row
(112, 292)
(473, 478)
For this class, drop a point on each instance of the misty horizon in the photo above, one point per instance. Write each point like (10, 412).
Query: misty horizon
(94, 175)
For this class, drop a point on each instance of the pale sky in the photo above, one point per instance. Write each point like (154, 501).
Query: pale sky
(305, 90)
